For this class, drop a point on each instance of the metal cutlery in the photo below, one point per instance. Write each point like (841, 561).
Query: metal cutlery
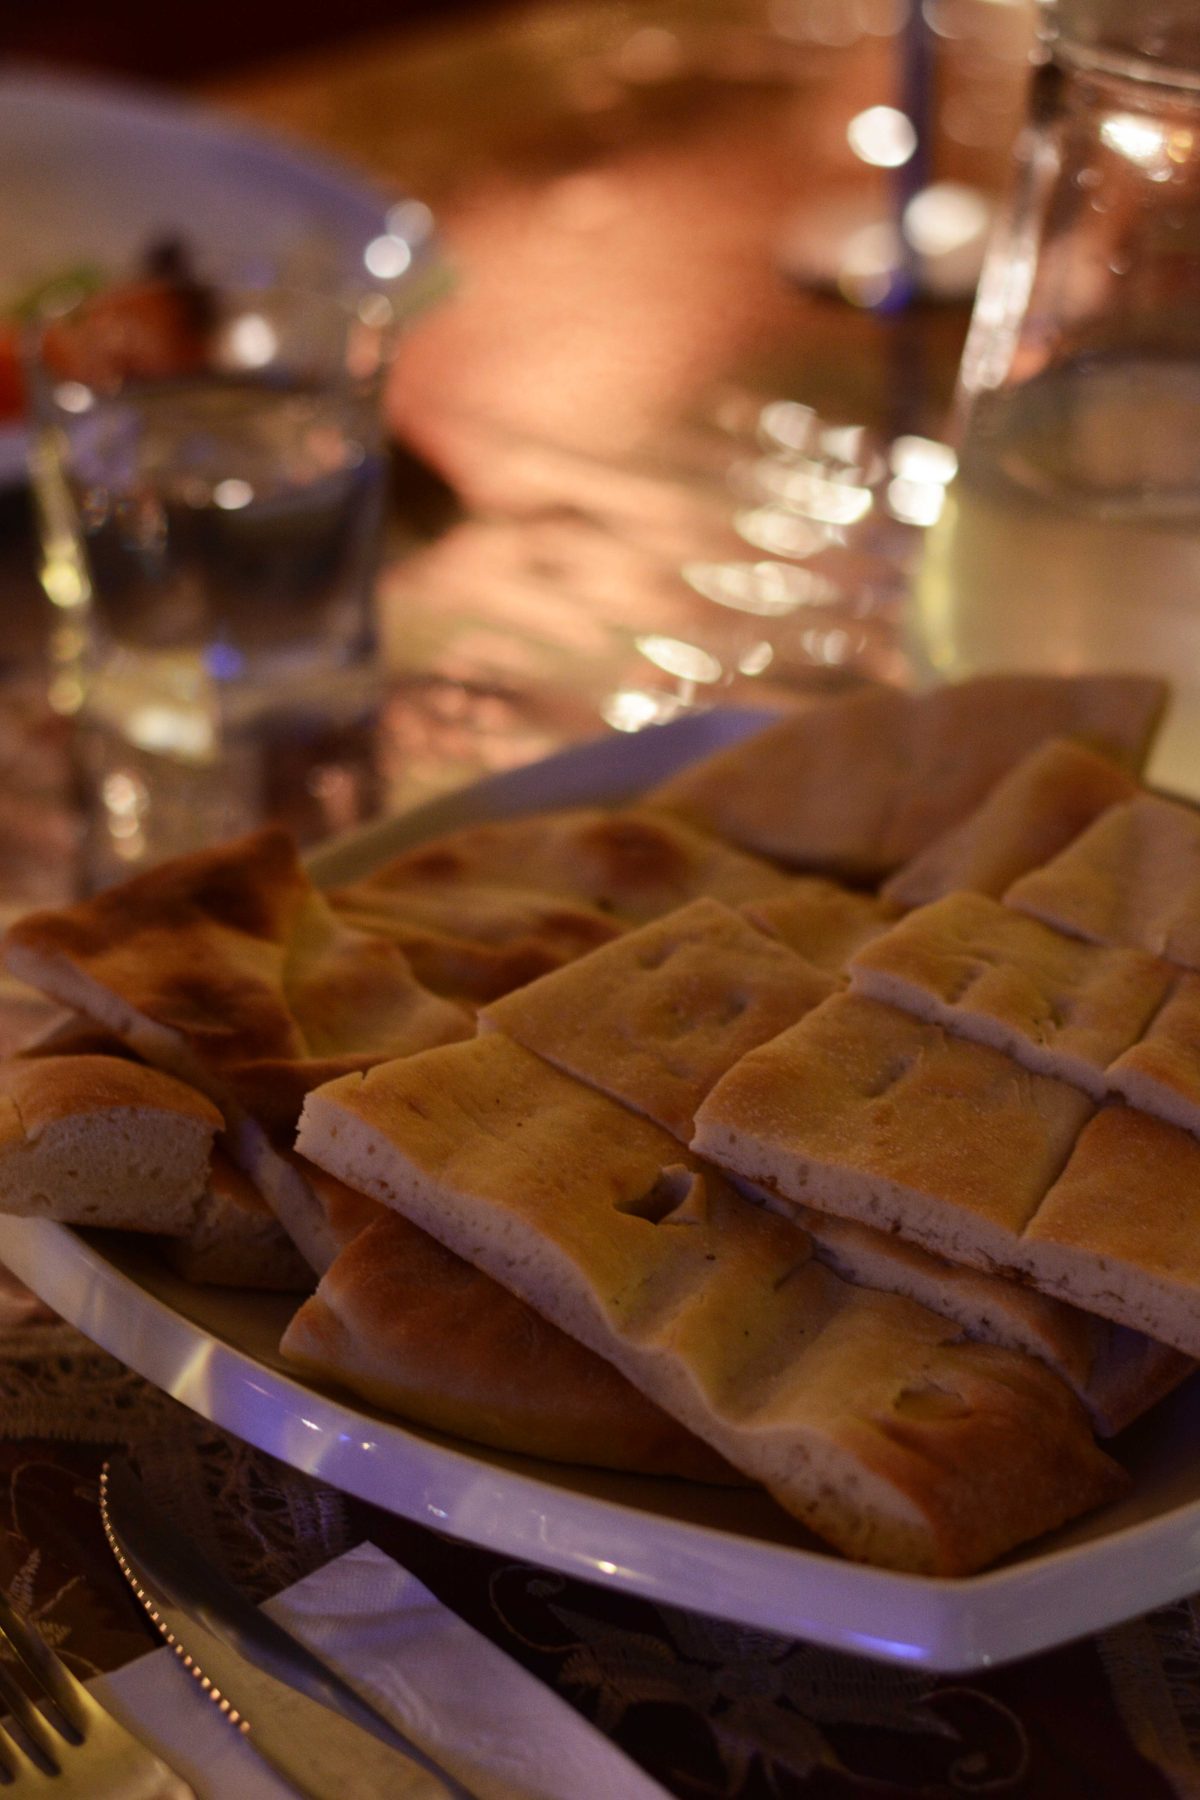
(299, 1715)
(72, 1748)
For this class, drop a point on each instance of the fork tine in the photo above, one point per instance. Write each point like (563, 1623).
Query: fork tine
(17, 1761)
(68, 1695)
(32, 1722)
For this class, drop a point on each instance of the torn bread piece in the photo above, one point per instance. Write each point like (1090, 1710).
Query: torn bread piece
(412, 1328)
(821, 921)
(235, 1240)
(228, 969)
(1059, 1006)
(1119, 1231)
(864, 1111)
(1031, 814)
(1117, 1374)
(1132, 878)
(96, 1140)
(655, 1018)
(858, 784)
(864, 1414)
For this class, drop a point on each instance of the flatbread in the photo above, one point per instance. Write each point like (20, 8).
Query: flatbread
(657, 1017)
(1117, 1374)
(863, 1413)
(1160, 1073)
(629, 864)
(414, 1329)
(1120, 1229)
(1031, 814)
(1132, 878)
(474, 942)
(228, 969)
(859, 784)
(1059, 1006)
(97, 1140)
(864, 1111)
(821, 921)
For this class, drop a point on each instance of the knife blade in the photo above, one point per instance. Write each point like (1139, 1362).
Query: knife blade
(299, 1715)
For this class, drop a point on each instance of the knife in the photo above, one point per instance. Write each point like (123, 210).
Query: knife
(299, 1715)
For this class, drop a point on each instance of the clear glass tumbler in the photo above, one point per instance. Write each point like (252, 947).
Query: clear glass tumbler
(209, 473)
(1070, 539)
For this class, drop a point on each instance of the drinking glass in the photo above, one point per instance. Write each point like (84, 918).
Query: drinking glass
(209, 472)
(1070, 538)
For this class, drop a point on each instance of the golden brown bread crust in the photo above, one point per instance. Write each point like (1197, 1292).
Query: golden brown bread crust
(49, 1088)
(865, 1414)
(1059, 1006)
(418, 1331)
(1029, 816)
(858, 784)
(1132, 878)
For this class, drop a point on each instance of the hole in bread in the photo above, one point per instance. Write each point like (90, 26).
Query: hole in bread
(655, 955)
(676, 1197)
(929, 1402)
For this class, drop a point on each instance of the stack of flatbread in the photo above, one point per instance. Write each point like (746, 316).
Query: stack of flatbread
(826, 1121)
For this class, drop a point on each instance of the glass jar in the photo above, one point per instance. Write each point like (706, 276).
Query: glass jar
(1070, 538)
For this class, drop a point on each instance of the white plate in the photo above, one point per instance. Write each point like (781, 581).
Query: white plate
(731, 1554)
(94, 173)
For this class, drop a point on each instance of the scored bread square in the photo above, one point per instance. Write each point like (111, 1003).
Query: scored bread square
(1161, 1072)
(1060, 1006)
(858, 784)
(865, 1111)
(409, 1326)
(820, 920)
(863, 1413)
(1030, 815)
(1120, 1230)
(1132, 878)
(657, 1017)
(1116, 1373)
(98, 1140)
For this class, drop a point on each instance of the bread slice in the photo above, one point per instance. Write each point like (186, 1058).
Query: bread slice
(234, 1239)
(656, 1018)
(1031, 814)
(867, 1416)
(821, 921)
(1117, 1374)
(1059, 1006)
(864, 1111)
(1132, 878)
(412, 1328)
(1120, 1229)
(1160, 1074)
(97, 1140)
(859, 784)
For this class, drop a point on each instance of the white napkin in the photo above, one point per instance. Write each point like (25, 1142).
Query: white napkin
(476, 1711)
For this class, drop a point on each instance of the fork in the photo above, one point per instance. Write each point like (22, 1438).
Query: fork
(80, 1752)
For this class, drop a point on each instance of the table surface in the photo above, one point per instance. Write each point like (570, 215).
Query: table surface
(622, 189)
